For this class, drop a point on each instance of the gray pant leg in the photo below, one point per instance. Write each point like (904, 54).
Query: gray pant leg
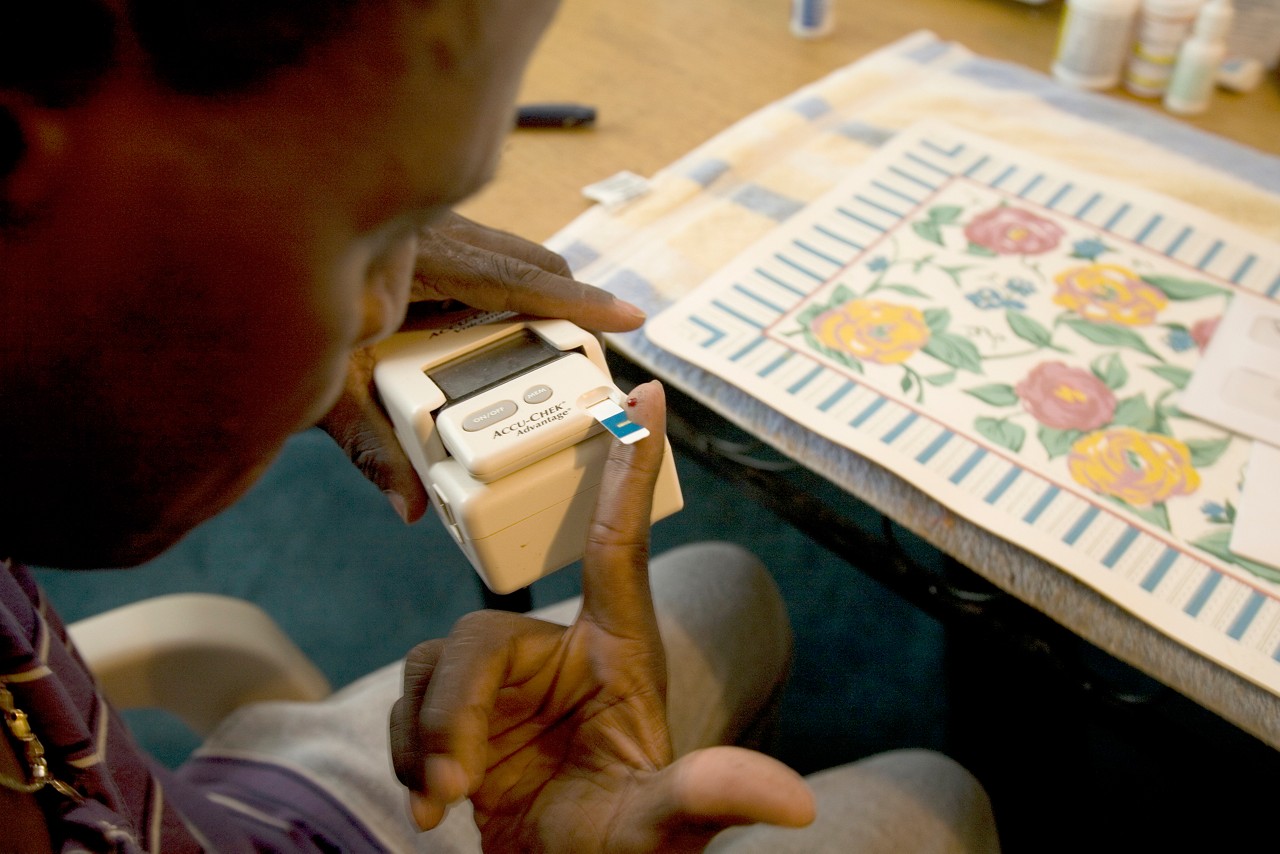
(727, 640)
(728, 644)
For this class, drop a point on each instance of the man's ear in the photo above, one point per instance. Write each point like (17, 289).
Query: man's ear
(32, 147)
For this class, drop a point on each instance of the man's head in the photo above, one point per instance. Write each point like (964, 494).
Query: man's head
(205, 206)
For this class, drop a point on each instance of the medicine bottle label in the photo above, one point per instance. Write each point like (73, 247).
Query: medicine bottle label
(1092, 49)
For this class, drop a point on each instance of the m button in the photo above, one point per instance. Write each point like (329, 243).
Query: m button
(537, 393)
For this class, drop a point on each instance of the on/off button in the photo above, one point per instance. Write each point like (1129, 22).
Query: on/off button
(493, 413)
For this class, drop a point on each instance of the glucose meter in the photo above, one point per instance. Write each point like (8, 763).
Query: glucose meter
(508, 423)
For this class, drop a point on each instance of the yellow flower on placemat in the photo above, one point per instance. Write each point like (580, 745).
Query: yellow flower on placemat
(881, 332)
(1138, 468)
(1108, 293)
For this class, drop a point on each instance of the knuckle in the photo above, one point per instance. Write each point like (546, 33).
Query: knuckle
(366, 454)
(405, 749)
(366, 459)
(471, 622)
(552, 262)
(602, 534)
(421, 661)
(517, 272)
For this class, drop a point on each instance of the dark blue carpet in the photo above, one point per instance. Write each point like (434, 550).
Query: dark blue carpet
(320, 550)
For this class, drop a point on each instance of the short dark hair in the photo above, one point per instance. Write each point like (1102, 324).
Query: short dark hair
(51, 52)
(55, 51)
(213, 47)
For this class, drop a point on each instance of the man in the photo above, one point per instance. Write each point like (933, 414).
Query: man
(208, 209)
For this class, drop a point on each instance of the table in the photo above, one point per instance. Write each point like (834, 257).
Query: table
(649, 68)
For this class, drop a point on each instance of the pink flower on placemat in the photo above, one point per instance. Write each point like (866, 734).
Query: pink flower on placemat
(880, 332)
(1013, 231)
(1138, 468)
(1066, 398)
(1202, 331)
(1107, 293)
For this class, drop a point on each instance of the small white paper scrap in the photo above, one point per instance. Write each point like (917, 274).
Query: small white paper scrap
(1256, 533)
(616, 189)
(1237, 382)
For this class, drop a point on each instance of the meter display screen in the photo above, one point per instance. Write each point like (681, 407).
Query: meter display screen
(491, 364)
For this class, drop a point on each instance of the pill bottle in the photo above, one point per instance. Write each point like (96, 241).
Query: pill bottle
(811, 19)
(1195, 72)
(1163, 25)
(1094, 41)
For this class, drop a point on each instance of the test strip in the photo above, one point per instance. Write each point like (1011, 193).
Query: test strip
(615, 420)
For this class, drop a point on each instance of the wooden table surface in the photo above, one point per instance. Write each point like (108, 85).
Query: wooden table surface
(666, 75)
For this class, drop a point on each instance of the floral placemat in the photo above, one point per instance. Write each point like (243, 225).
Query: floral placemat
(1011, 336)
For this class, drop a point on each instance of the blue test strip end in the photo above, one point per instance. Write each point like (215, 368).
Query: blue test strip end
(620, 425)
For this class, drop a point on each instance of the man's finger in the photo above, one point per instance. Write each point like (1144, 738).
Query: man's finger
(406, 744)
(615, 573)
(484, 653)
(687, 803)
(740, 783)
(498, 281)
(360, 427)
(458, 227)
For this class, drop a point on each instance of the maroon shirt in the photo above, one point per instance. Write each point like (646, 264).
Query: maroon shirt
(132, 803)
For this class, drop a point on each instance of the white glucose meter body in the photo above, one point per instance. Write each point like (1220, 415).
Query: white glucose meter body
(505, 421)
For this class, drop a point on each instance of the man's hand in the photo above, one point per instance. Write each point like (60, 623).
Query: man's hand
(496, 271)
(459, 260)
(558, 735)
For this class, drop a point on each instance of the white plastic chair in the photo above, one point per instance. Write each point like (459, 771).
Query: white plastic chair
(198, 656)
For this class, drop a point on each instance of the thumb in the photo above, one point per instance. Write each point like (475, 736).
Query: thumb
(360, 427)
(709, 790)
